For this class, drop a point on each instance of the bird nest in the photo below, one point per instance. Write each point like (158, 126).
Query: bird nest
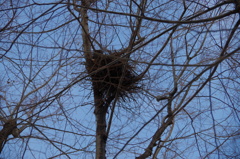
(113, 76)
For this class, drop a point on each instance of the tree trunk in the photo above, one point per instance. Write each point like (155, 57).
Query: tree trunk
(100, 106)
(101, 134)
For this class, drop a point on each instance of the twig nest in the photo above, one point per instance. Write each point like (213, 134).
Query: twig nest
(114, 76)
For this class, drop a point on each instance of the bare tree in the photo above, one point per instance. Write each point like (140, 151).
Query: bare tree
(119, 79)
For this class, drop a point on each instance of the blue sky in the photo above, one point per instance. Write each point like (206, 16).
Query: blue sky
(45, 56)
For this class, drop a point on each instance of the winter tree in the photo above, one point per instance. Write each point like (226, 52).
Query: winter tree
(119, 79)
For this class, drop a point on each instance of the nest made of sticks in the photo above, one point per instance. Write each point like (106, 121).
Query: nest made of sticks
(115, 78)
